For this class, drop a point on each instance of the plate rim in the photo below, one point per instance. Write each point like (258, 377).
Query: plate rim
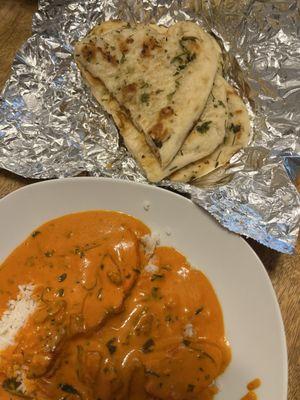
(150, 187)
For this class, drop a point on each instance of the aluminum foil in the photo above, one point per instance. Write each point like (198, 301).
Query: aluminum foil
(50, 125)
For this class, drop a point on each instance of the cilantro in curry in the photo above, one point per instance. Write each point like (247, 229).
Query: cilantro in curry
(62, 277)
(112, 348)
(148, 346)
(65, 387)
(35, 233)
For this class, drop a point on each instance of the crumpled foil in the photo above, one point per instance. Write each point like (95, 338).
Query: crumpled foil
(50, 125)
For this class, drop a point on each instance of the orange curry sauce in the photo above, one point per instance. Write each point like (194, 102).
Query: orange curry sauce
(251, 395)
(107, 326)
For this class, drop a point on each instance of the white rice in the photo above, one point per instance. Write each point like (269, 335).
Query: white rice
(21, 377)
(146, 205)
(188, 330)
(183, 272)
(150, 242)
(16, 315)
(151, 268)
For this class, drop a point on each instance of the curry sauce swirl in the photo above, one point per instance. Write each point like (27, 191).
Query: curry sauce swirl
(112, 321)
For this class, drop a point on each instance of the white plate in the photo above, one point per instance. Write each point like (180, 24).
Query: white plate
(252, 317)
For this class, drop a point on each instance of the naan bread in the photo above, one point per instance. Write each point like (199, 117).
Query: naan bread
(136, 142)
(209, 131)
(237, 136)
(160, 76)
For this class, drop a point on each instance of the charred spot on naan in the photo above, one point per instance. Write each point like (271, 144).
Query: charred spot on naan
(123, 46)
(123, 119)
(107, 55)
(166, 112)
(159, 132)
(89, 52)
(148, 46)
(129, 92)
(129, 40)
(238, 111)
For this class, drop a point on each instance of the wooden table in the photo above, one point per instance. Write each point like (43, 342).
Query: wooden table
(284, 270)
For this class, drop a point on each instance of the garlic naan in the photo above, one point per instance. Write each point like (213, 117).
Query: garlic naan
(161, 77)
(208, 132)
(203, 139)
(237, 136)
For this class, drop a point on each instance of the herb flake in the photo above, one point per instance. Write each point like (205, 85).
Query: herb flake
(123, 58)
(168, 318)
(138, 271)
(49, 253)
(206, 355)
(35, 233)
(145, 85)
(145, 98)
(112, 348)
(79, 252)
(62, 277)
(148, 346)
(177, 58)
(192, 38)
(190, 387)
(170, 96)
(203, 127)
(235, 128)
(65, 387)
(11, 384)
(155, 293)
(157, 142)
(151, 372)
(155, 277)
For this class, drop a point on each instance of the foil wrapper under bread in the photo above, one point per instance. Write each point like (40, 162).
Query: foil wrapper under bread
(50, 125)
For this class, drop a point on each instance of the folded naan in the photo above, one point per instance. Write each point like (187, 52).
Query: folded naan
(209, 131)
(203, 139)
(236, 138)
(161, 77)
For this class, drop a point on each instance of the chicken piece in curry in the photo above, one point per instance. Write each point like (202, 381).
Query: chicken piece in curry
(112, 322)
